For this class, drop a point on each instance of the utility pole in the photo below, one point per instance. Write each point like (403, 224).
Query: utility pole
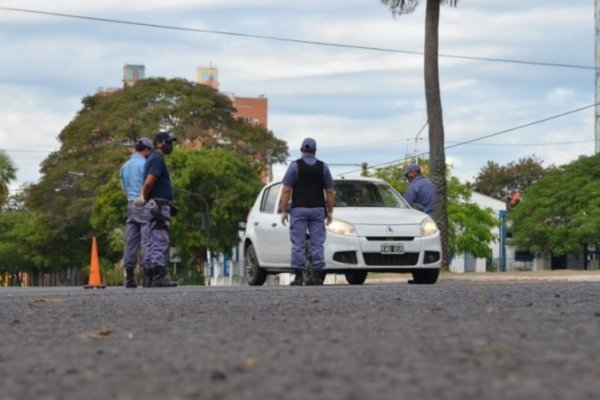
(597, 108)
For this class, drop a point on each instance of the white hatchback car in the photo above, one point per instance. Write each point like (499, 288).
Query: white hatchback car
(373, 230)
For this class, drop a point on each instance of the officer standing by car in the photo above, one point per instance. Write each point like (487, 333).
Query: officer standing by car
(156, 196)
(421, 192)
(305, 180)
(132, 180)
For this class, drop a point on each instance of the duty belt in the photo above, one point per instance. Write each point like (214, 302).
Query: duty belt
(162, 202)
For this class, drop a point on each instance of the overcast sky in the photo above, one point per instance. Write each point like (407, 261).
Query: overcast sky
(360, 105)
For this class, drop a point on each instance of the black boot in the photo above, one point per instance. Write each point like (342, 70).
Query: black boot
(297, 278)
(148, 277)
(317, 276)
(130, 278)
(161, 279)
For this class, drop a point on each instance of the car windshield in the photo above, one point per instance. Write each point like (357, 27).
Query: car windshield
(358, 193)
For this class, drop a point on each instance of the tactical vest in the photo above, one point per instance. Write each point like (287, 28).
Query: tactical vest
(308, 190)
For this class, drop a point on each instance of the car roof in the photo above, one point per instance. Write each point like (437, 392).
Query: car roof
(358, 178)
(341, 179)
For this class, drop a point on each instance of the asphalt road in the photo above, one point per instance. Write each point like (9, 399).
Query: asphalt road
(454, 340)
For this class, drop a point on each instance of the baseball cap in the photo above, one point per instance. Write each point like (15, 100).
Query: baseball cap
(309, 145)
(145, 142)
(411, 167)
(164, 137)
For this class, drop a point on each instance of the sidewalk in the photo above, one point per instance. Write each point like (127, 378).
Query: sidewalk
(548, 276)
(513, 276)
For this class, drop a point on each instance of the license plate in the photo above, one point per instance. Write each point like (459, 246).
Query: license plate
(392, 248)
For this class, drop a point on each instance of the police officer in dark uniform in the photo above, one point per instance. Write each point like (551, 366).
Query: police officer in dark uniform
(311, 187)
(421, 191)
(156, 196)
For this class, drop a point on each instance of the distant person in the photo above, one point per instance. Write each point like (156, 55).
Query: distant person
(132, 180)
(156, 196)
(309, 183)
(421, 192)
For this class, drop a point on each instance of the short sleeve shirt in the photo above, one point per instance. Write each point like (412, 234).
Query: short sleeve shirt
(155, 165)
(291, 174)
(132, 176)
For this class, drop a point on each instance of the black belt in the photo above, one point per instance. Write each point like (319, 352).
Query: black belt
(162, 202)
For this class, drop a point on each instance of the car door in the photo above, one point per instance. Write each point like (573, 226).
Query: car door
(272, 238)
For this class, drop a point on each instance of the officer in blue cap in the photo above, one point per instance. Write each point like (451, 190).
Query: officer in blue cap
(156, 197)
(309, 183)
(421, 192)
(132, 179)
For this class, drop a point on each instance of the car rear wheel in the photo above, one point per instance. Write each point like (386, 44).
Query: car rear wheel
(255, 275)
(356, 277)
(425, 276)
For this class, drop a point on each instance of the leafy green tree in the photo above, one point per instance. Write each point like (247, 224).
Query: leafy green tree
(559, 212)
(437, 154)
(221, 181)
(500, 181)
(94, 145)
(470, 226)
(8, 172)
(21, 237)
(218, 179)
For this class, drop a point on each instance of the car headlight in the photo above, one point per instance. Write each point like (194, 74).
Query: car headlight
(339, 227)
(428, 227)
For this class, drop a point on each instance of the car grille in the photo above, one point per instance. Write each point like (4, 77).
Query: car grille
(391, 259)
(390, 238)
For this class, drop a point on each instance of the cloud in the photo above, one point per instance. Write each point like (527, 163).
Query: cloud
(361, 105)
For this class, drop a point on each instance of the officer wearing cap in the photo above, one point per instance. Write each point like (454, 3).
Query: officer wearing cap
(306, 180)
(156, 196)
(421, 192)
(132, 179)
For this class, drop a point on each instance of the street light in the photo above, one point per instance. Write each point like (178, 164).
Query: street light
(416, 140)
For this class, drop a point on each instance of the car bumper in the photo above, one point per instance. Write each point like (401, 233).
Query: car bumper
(348, 253)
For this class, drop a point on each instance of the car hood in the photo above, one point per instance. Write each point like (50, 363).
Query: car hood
(379, 215)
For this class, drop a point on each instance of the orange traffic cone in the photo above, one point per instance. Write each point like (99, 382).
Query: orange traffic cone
(94, 281)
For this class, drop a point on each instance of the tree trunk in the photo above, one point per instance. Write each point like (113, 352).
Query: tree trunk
(437, 155)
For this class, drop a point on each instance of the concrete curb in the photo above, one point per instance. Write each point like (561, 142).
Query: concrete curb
(527, 276)
(544, 276)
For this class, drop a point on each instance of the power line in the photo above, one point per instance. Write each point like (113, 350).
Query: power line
(536, 122)
(539, 121)
(292, 40)
(473, 144)
(529, 144)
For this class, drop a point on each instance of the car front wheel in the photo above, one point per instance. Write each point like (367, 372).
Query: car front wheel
(425, 276)
(356, 277)
(255, 275)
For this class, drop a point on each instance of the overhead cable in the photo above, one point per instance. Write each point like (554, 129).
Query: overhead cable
(292, 40)
(470, 141)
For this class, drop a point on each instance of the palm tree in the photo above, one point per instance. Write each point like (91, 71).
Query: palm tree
(7, 174)
(437, 154)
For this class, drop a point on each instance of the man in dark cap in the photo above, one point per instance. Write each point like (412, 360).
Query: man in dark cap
(421, 192)
(156, 196)
(132, 179)
(309, 183)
